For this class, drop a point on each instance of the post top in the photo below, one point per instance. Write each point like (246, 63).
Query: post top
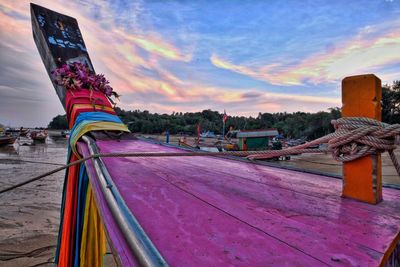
(365, 76)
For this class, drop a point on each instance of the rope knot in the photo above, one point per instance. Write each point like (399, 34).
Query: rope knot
(356, 137)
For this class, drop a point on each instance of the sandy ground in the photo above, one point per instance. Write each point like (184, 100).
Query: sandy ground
(325, 163)
(29, 216)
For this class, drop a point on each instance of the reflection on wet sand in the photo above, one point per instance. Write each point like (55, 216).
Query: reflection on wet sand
(8, 150)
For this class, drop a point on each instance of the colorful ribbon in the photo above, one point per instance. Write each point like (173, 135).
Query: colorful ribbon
(81, 240)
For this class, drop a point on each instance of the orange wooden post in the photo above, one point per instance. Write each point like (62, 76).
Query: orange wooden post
(362, 178)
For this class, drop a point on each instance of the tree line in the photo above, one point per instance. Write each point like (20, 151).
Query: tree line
(291, 125)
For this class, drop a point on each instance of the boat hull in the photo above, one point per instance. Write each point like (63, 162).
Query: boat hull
(7, 140)
(39, 136)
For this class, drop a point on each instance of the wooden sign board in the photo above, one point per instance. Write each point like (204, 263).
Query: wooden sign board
(59, 41)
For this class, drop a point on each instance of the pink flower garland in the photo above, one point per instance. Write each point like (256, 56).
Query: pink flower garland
(78, 76)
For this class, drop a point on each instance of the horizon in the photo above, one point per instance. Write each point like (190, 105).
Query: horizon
(179, 56)
(172, 114)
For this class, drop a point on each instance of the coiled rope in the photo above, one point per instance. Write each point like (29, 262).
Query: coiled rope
(354, 137)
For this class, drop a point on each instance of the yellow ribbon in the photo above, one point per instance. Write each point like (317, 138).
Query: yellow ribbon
(93, 242)
(94, 126)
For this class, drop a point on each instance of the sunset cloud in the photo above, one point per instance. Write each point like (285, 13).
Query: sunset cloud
(156, 46)
(372, 49)
(187, 57)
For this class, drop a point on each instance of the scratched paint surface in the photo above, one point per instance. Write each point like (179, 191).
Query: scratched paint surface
(207, 211)
(62, 34)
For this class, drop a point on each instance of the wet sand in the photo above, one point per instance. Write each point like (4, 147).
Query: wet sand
(326, 164)
(317, 162)
(29, 216)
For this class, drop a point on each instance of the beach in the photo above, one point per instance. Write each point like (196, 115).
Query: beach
(29, 215)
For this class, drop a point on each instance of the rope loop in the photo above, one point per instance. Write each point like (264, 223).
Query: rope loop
(356, 137)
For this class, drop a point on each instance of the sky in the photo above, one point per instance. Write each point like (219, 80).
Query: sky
(244, 57)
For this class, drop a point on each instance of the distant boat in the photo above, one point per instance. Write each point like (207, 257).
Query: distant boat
(6, 140)
(17, 132)
(23, 132)
(210, 149)
(39, 136)
(208, 134)
(65, 133)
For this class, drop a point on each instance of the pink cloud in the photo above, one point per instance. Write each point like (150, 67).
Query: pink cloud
(373, 48)
(119, 55)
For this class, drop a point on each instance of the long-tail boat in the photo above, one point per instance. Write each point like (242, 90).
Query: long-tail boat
(38, 136)
(204, 211)
(6, 140)
(23, 132)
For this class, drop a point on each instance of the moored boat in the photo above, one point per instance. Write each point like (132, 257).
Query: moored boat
(23, 131)
(6, 140)
(65, 133)
(39, 136)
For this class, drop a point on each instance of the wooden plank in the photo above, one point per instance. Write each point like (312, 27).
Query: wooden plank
(324, 210)
(316, 225)
(190, 232)
(328, 187)
(59, 41)
(362, 178)
(274, 213)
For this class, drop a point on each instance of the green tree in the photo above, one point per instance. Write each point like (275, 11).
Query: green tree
(59, 122)
(391, 103)
(292, 125)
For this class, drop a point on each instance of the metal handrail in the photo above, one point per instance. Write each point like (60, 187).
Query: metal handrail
(142, 247)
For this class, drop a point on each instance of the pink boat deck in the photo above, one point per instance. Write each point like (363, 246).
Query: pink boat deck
(207, 211)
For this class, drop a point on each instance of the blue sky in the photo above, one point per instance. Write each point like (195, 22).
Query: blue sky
(242, 56)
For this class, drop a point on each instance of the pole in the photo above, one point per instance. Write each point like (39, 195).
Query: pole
(362, 178)
(223, 129)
